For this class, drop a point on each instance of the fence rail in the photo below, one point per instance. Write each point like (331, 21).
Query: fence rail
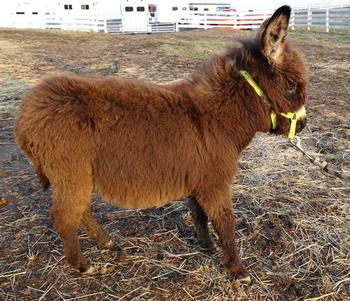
(115, 26)
(78, 24)
(308, 18)
(321, 18)
(158, 27)
(231, 20)
(110, 24)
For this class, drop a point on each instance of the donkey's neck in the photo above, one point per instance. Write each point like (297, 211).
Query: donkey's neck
(222, 98)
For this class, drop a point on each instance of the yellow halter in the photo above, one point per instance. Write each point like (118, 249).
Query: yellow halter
(294, 117)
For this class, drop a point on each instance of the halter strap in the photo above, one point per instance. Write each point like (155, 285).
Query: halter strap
(255, 86)
(262, 95)
(294, 117)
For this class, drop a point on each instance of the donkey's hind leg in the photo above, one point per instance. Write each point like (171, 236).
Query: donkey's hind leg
(71, 198)
(200, 221)
(95, 231)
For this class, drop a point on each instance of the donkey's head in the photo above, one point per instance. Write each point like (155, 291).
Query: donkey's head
(281, 74)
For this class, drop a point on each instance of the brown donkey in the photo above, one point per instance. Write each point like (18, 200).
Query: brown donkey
(141, 145)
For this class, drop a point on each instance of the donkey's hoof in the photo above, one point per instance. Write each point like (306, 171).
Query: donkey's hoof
(109, 245)
(239, 273)
(240, 279)
(213, 249)
(244, 278)
(89, 271)
(216, 249)
(107, 269)
(113, 247)
(208, 245)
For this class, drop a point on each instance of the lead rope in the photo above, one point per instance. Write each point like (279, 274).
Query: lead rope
(323, 165)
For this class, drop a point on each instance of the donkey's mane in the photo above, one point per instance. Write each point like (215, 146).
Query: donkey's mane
(217, 79)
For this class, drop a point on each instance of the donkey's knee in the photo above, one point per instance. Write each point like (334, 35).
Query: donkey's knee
(64, 222)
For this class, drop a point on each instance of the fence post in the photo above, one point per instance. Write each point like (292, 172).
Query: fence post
(105, 25)
(327, 19)
(309, 16)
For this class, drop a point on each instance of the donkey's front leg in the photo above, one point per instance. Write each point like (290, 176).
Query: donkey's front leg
(218, 207)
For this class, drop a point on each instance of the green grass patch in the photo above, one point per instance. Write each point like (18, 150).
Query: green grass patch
(335, 36)
(196, 48)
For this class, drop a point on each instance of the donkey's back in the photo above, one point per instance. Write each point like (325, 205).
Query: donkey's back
(136, 144)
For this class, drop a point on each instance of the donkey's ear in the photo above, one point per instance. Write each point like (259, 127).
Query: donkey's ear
(273, 33)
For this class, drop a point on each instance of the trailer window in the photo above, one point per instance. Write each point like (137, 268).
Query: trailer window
(19, 12)
(152, 8)
(140, 8)
(222, 8)
(175, 8)
(129, 8)
(34, 13)
(184, 8)
(85, 6)
(206, 9)
(68, 6)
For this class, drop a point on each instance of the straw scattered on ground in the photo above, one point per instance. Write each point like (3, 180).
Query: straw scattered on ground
(293, 222)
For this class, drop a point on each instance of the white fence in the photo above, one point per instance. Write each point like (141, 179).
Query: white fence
(115, 26)
(248, 20)
(321, 18)
(76, 24)
(162, 27)
(308, 18)
(110, 25)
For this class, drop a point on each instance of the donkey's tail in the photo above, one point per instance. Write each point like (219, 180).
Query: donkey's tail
(44, 181)
(27, 148)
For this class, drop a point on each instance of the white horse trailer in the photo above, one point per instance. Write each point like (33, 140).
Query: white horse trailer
(54, 14)
(23, 14)
(171, 11)
(79, 15)
(140, 16)
(208, 6)
(114, 16)
(135, 16)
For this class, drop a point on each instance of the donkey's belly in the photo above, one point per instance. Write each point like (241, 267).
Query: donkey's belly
(140, 183)
(137, 194)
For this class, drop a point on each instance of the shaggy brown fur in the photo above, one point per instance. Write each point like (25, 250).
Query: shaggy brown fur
(141, 145)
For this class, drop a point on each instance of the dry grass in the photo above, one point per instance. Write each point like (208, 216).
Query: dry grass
(293, 222)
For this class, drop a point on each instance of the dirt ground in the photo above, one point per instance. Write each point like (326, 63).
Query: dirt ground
(293, 222)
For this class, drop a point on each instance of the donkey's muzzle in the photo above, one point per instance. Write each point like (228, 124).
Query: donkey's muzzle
(301, 124)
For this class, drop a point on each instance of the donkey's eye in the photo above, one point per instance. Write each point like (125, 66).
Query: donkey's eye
(292, 89)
